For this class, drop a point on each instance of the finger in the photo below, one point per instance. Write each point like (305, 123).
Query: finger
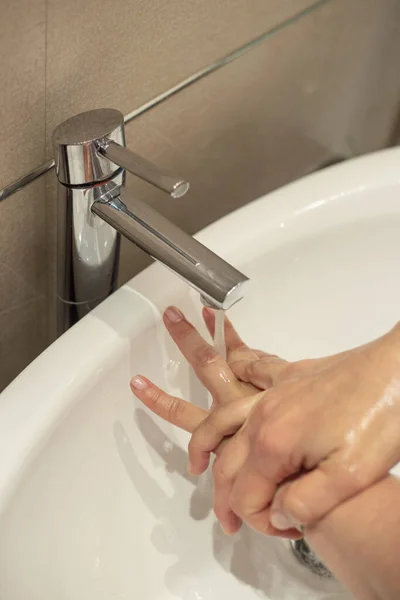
(303, 501)
(259, 353)
(232, 338)
(221, 422)
(209, 366)
(262, 372)
(338, 478)
(183, 414)
(259, 368)
(225, 469)
(251, 498)
(236, 349)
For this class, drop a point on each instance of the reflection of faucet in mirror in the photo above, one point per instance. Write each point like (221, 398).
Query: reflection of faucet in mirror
(94, 208)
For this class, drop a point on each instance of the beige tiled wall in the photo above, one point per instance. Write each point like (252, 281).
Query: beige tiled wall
(23, 256)
(122, 54)
(325, 86)
(324, 89)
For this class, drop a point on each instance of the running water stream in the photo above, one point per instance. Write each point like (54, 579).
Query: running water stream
(219, 333)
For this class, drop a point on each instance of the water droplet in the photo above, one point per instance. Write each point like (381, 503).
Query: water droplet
(167, 446)
(172, 366)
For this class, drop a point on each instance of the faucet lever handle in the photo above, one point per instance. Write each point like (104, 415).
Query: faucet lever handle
(89, 148)
(143, 168)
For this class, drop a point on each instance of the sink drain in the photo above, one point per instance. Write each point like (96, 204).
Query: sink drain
(309, 559)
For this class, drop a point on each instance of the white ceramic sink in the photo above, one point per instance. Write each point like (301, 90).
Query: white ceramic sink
(95, 501)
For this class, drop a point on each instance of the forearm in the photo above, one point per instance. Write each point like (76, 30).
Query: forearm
(360, 541)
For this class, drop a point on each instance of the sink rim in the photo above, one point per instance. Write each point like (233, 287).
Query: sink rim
(34, 402)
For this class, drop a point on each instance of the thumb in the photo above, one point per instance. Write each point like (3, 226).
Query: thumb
(304, 501)
(263, 372)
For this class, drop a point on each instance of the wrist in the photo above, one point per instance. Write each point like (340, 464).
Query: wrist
(394, 334)
(384, 353)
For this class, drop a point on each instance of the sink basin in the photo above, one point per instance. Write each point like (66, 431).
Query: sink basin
(95, 500)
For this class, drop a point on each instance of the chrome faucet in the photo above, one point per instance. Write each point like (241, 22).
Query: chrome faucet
(94, 208)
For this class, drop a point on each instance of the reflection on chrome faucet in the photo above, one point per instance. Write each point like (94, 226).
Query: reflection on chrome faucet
(94, 208)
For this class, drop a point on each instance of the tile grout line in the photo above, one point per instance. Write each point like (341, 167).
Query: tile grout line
(224, 61)
(28, 178)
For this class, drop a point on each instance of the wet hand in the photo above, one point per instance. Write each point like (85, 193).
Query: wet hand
(233, 400)
(330, 424)
(326, 430)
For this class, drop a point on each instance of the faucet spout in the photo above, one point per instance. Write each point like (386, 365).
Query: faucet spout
(94, 208)
(219, 283)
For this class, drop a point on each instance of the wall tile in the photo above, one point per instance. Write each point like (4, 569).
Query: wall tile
(306, 96)
(22, 73)
(13, 290)
(23, 256)
(23, 239)
(23, 335)
(122, 54)
(23, 280)
(372, 126)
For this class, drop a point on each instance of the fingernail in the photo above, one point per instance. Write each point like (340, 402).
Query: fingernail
(280, 521)
(139, 383)
(173, 314)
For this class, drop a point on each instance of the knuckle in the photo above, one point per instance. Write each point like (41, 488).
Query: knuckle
(204, 354)
(174, 408)
(166, 406)
(238, 367)
(192, 445)
(238, 353)
(196, 443)
(261, 415)
(293, 505)
(272, 440)
(269, 409)
(350, 476)
(200, 439)
(219, 512)
(358, 477)
(155, 395)
(183, 330)
(235, 504)
(259, 369)
(214, 422)
(219, 473)
(254, 365)
(259, 411)
(222, 511)
(290, 369)
(238, 347)
(261, 441)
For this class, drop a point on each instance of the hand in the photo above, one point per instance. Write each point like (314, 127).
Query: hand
(332, 424)
(246, 364)
(350, 397)
(233, 399)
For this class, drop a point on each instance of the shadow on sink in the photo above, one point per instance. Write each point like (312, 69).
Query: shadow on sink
(267, 565)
